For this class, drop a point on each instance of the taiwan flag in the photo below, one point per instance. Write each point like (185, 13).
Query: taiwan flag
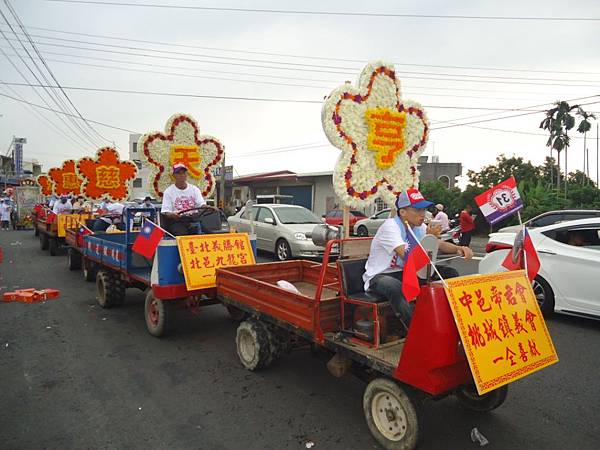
(524, 248)
(148, 239)
(415, 258)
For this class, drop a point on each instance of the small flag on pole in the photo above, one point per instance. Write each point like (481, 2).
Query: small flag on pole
(84, 231)
(148, 239)
(523, 255)
(415, 258)
(500, 202)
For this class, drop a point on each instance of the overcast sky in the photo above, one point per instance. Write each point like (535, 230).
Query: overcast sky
(530, 53)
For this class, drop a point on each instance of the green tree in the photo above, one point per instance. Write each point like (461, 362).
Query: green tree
(504, 168)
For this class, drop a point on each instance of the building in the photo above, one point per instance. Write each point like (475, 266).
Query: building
(138, 187)
(31, 169)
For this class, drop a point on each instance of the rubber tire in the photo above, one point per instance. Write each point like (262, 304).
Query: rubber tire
(285, 248)
(164, 311)
(44, 242)
(236, 314)
(547, 306)
(110, 290)
(53, 246)
(362, 231)
(256, 334)
(469, 398)
(89, 270)
(74, 259)
(387, 387)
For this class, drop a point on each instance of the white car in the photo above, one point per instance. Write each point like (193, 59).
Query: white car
(569, 278)
(369, 226)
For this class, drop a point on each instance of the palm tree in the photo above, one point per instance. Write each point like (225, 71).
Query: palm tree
(584, 126)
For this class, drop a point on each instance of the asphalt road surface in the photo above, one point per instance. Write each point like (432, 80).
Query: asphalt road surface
(76, 376)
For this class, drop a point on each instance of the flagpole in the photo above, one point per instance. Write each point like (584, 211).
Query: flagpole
(425, 251)
(157, 226)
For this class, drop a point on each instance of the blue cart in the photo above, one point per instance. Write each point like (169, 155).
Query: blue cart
(116, 267)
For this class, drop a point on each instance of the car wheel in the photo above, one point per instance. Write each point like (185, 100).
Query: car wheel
(283, 252)
(544, 295)
(362, 231)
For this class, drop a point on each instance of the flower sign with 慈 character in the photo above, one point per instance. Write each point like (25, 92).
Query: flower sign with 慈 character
(181, 143)
(46, 184)
(380, 135)
(65, 179)
(106, 176)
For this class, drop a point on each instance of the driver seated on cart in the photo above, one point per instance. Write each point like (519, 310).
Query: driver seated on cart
(179, 198)
(383, 270)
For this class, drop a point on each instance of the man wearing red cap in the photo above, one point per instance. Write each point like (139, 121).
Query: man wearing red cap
(383, 271)
(180, 196)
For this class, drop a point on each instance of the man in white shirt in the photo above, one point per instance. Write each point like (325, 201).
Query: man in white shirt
(442, 217)
(112, 213)
(62, 206)
(178, 198)
(383, 271)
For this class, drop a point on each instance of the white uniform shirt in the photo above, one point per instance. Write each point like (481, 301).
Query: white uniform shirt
(382, 257)
(443, 217)
(176, 200)
(5, 210)
(62, 208)
(113, 209)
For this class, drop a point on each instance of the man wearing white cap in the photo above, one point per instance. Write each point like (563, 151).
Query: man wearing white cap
(62, 206)
(442, 217)
(383, 271)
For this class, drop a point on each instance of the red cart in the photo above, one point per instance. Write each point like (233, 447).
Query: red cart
(329, 309)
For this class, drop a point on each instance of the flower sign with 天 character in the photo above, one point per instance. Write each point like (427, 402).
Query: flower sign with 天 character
(106, 176)
(181, 143)
(65, 179)
(46, 184)
(380, 135)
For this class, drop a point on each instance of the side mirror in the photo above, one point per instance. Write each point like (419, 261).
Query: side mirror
(269, 220)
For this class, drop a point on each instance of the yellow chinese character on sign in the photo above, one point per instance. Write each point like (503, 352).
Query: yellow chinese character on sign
(386, 135)
(70, 181)
(189, 156)
(107, 177)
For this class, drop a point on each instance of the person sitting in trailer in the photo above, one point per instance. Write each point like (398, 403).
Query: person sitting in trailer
(111, 214)
(62, 205)
(181, 201)
(383, 270)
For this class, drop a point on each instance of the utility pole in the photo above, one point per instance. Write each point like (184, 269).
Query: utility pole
(222, 189)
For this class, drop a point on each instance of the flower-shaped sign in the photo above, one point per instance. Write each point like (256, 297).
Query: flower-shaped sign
(46, 184)
(181, 143)
(106, 176)
(66, 181)
(380, 135)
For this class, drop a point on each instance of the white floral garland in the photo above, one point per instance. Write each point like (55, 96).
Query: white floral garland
(180, 130)
(358, 177)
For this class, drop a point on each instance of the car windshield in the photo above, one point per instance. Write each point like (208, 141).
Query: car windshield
(357, 213)
(296, 215)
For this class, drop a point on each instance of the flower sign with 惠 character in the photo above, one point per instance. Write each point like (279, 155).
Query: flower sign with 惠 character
(46, 184)
(181, 143)
(66, 181)
(380, 135)
(106, 176)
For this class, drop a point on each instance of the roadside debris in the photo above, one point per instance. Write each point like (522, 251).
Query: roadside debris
(478, 438)
(309, 444)
(30, 295)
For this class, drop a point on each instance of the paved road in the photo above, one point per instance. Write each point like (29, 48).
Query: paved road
(76, 376)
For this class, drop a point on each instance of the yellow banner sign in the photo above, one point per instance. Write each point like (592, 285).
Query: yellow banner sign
(501, 327)
(201, 255)
(66, 221)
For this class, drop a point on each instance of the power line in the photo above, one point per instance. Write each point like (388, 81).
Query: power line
(332, 13)
(289, 55)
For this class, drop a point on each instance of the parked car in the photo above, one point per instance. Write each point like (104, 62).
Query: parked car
(552, 217)
(335, 217)
(369, 226)
(569, 254)
(284, 230)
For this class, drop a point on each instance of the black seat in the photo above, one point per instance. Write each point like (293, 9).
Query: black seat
(352, 271)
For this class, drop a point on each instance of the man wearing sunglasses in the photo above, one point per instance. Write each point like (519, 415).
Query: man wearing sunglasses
(383, 271)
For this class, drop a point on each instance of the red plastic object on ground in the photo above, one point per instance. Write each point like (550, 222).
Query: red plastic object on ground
(30, 295)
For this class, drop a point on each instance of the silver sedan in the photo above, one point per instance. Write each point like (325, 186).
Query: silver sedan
(284, 230)
(368, 227)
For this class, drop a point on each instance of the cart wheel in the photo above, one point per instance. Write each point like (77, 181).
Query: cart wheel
(74, 259)
(157, 314)
(44, 241)
(89, 270)
(253, 344)
(53, 246)
(236, 314)
(110, 291)
(469, 398)
(391, 415)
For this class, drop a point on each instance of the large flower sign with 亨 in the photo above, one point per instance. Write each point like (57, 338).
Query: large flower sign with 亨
(106, 176)
(46, 184)
(181, 143)
(65, 179)
(380, 135)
